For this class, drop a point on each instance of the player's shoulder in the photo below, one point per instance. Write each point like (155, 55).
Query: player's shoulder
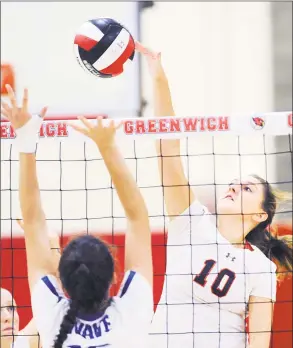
(134, 286)
(134, 299)
(188, 220)
(259, 261)
(197, 208)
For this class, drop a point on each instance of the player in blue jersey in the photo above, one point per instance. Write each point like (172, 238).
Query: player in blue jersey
(88, 317)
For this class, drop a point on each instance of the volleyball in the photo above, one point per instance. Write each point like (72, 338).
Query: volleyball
(102, 46)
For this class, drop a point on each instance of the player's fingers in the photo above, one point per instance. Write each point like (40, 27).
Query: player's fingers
(5, 113)
(154, 55)
(5, 106)
(146, 51)
(85, 122)
(100, 121)
(112, 124)
(119, 125)
(78, 128)
(11, 96)
(141, 48)
(25, 100)
(43, 112)
(5, 110)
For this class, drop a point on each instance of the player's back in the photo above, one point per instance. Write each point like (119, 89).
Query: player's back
(114, 328)
(124, 324)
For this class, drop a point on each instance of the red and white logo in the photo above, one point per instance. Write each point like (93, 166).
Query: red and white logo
(258, 122)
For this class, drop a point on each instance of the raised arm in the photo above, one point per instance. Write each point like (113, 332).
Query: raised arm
(177, 193)
(38, 250)
(54, 245)
(30, 329)
(138, 252)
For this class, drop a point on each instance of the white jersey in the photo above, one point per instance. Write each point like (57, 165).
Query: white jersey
(124, 324)
(207, 286)
(21, 342)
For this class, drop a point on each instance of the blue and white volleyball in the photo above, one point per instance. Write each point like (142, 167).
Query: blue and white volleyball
(102, 46)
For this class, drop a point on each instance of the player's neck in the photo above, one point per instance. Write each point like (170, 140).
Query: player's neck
(233, 229)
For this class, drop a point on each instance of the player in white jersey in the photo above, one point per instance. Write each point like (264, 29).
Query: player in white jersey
(219, 271)
(11, 336)
(87, 317)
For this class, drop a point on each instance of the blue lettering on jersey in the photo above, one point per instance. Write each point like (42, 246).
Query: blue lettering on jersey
(107, 323)
(91, 331)
(88, 332)
(78, 327)
(97, 330)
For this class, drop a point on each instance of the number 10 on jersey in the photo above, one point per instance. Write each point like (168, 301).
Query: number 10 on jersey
(226, 273)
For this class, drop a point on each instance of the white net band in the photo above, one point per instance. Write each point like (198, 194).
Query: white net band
(275, 123)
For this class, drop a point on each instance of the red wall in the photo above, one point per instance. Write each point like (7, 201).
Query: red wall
(13, 262)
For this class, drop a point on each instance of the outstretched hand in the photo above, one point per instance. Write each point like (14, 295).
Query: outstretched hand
(102, 135)
(153, 60)
(18, 116)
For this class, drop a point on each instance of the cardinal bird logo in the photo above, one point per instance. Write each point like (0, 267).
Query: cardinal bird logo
(258, 123)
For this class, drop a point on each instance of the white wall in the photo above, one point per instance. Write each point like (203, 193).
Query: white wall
(218, 56)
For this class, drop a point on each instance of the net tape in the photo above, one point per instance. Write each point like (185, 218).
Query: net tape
(275, 123)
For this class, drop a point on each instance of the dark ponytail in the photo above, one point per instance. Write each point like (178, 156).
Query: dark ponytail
(277, 249)
(67, 325)
(86, 271)
(264, 237)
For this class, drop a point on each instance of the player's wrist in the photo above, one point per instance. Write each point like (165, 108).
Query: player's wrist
(159, 77)
(27, 136)
(106, 148)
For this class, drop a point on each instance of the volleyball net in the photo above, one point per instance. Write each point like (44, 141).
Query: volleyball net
(78, 195)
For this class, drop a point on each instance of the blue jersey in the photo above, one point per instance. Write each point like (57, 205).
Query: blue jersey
(124, 324)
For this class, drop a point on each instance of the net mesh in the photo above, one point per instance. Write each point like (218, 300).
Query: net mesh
(78, 197)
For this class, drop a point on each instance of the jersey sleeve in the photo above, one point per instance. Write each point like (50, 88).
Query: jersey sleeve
(265, 281)
(188, 219)
(135, 301)
(22, 342)
(49, 306)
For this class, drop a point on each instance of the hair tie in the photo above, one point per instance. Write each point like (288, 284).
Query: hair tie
(82, 268)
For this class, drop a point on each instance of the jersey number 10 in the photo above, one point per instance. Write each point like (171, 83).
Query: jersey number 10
(202, 276)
